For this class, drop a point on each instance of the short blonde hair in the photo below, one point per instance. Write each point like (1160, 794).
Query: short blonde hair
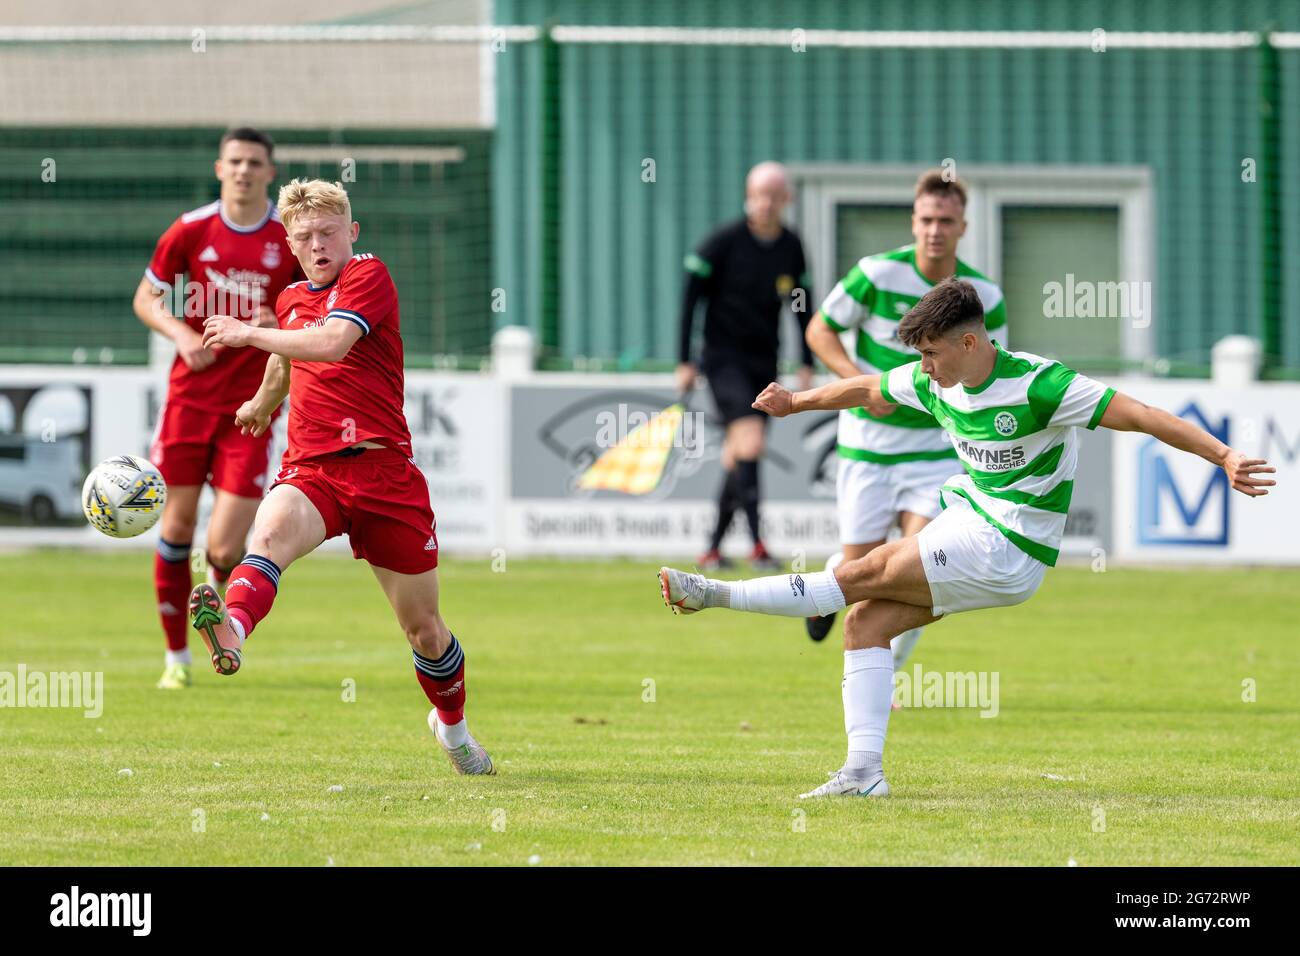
(304, 196)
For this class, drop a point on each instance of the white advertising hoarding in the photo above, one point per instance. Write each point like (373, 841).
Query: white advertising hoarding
(1174, 507)
(457, 426)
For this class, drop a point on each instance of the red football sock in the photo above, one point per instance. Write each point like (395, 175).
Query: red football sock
(251, 589)
(171, 584)
(443, 681)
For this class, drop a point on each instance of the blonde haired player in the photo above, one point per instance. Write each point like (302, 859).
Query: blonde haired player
(348, 468)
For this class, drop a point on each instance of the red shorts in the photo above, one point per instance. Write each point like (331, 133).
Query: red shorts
(192, 446)
(379, 498)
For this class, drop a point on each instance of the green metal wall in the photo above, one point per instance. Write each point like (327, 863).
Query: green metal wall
(73, 251)
(706, 113)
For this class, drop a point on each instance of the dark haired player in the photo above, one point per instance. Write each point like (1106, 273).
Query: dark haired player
(1012, 417)
(233, 250)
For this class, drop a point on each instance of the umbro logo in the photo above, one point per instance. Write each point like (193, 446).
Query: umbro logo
(245, 582)
(208, 255)
(431, 544)
(796, 584)
(940, 557)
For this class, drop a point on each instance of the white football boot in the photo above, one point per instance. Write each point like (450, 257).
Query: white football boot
(841, 786)
(469, 758)
(683, 591)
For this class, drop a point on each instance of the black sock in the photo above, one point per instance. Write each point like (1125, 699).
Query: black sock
(747, 494)
(726, 508)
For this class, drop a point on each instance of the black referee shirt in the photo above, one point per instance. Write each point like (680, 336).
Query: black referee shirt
(745, 282)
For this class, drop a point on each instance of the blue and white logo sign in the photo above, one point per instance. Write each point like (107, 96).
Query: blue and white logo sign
(1182, 499)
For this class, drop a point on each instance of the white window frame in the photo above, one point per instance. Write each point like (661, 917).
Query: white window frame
(821, 187)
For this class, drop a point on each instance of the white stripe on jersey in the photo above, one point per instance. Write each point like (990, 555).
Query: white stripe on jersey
(203, 212)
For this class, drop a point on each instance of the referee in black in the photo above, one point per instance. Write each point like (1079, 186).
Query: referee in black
(745, 271)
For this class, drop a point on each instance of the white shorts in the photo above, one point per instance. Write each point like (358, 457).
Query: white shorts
(971, 565)
(869, 495)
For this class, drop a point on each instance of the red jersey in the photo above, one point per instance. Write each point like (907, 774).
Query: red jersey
(232, 270)
(333, 405)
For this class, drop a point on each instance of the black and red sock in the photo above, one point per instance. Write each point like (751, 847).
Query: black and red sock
(250, 592)
(443, 681)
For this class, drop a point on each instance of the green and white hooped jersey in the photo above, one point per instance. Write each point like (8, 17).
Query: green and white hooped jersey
(868, 304)
(1015, 437)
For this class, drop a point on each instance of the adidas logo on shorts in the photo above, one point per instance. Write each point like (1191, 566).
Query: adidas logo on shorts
(431, 544)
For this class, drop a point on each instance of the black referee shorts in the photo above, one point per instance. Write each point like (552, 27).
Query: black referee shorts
(735, 383)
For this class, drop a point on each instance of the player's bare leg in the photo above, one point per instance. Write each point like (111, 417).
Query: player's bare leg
(910, 524)
(171, 573)
(287, 527)
(892, 571)
(439, 665)
(818, 627)
(868, 691)
(232, 517)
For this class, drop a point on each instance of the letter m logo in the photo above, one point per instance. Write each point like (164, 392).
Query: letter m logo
(1182, 500)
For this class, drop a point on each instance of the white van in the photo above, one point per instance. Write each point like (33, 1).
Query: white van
(41, 479)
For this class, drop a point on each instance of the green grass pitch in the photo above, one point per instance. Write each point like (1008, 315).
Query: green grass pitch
(1122, 736)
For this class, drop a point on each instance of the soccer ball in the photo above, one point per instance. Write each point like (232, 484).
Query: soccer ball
(123, 496)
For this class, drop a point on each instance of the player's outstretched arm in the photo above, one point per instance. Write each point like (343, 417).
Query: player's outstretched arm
(322, 343)
(254, 416)
(857, 392)
(1127, 414)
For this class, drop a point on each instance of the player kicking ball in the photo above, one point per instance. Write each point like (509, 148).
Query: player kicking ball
(348, 468)
(1012, 418)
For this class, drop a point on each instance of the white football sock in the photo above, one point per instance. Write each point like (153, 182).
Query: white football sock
(863, 765)
(457, 735)
(238, 628)
(790, 595)
(903, 644)
(179, 657)
(868, 690)
(834, 561)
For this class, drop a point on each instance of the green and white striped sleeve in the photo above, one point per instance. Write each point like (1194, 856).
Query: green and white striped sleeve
(1075, 399)
(900, 386)
(849, 302)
